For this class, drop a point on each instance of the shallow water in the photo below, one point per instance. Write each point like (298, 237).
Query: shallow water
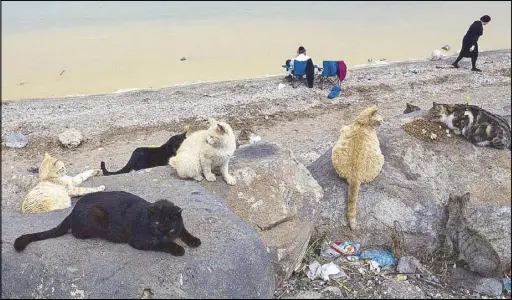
(53, 49)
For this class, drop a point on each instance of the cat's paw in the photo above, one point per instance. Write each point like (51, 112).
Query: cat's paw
(198, 178)
(97, 172)
(210, 177)
(230, 180)
(101, 188)
(176, 250)
(193, 242)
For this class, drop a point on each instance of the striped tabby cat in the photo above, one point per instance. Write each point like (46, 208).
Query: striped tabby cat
(476, 249)
(476, 124)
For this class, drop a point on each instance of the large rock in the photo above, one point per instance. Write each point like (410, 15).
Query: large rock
(413, 189)
(276, 195)
(232, 262)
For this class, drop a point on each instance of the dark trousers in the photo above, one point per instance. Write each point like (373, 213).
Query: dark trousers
(464, 52)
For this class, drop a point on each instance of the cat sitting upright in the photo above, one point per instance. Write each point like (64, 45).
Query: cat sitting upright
(121, 217)
(474, 247)
(146, 157)
(55, 189)
(205, 150)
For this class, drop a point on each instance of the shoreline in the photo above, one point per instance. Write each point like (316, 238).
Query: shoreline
(256, 103)
(376, 64)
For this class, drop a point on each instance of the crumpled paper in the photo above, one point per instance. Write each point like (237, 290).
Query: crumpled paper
(323, 272)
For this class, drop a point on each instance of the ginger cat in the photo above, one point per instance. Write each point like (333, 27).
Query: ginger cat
(356, 156)
(204, 150)
(55, 189)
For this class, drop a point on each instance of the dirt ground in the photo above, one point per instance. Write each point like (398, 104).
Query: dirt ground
(308, 132)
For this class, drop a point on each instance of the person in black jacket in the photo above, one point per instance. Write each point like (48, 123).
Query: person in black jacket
(470, 42)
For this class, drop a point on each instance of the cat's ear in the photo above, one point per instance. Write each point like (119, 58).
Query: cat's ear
(465, 197)
(434, 104)
(221, 129)
(212, 121)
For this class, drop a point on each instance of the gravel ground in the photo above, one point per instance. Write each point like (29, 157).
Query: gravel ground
(301, 119)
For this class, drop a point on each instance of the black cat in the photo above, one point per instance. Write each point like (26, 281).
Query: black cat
(146, 157)
(121, 217)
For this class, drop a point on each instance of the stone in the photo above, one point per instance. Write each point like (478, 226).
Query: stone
(16, 140)
(277, 195)
(71, 138)
(410, 264)
(401, 290)
(463, 278)
(413, 189)
(231, 262)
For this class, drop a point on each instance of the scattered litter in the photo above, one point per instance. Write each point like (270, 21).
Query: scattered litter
(16, 140)
(335, 91)
(433, 136)
(374, 267)
(506, 284)
(382, 257)
(401, 277)
(446, 47)
(153, 146)
(316, 271)
(338, 248)
(352, 258)
(281, 86)
(146, 294)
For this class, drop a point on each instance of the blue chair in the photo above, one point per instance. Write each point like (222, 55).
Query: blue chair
(299, 73)
(329, 73)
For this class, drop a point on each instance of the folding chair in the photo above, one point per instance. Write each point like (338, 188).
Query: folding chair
(299, 73)
(329, 73)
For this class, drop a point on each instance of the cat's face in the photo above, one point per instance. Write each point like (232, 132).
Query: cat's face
(440, 110)
(370, 116)
(165, 219)
(247, 137)
(51, 167)
(177, 140)
(457, 204)
(218, 132)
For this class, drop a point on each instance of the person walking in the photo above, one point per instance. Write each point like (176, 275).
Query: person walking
(470, 42)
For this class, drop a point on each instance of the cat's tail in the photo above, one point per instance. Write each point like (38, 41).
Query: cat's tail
(353, 193)
(26, 239)
(125, 169)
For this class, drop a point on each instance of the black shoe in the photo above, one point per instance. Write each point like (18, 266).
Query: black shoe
(455, 65)
(476, 70)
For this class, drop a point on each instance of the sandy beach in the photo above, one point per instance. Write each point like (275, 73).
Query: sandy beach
(61, 52)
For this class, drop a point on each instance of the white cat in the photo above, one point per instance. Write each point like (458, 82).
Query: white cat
(205, 150)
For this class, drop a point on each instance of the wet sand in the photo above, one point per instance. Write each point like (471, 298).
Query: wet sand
(104, 59)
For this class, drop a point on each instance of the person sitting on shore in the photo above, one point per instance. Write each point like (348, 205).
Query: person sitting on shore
(470, 42)
(301, 56)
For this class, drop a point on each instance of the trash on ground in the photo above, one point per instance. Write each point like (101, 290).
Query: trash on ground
(316, 271)
(506, 284)
(401, 277)
(16, 140)
(374, 266)
(382, 257)
(281, 86)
